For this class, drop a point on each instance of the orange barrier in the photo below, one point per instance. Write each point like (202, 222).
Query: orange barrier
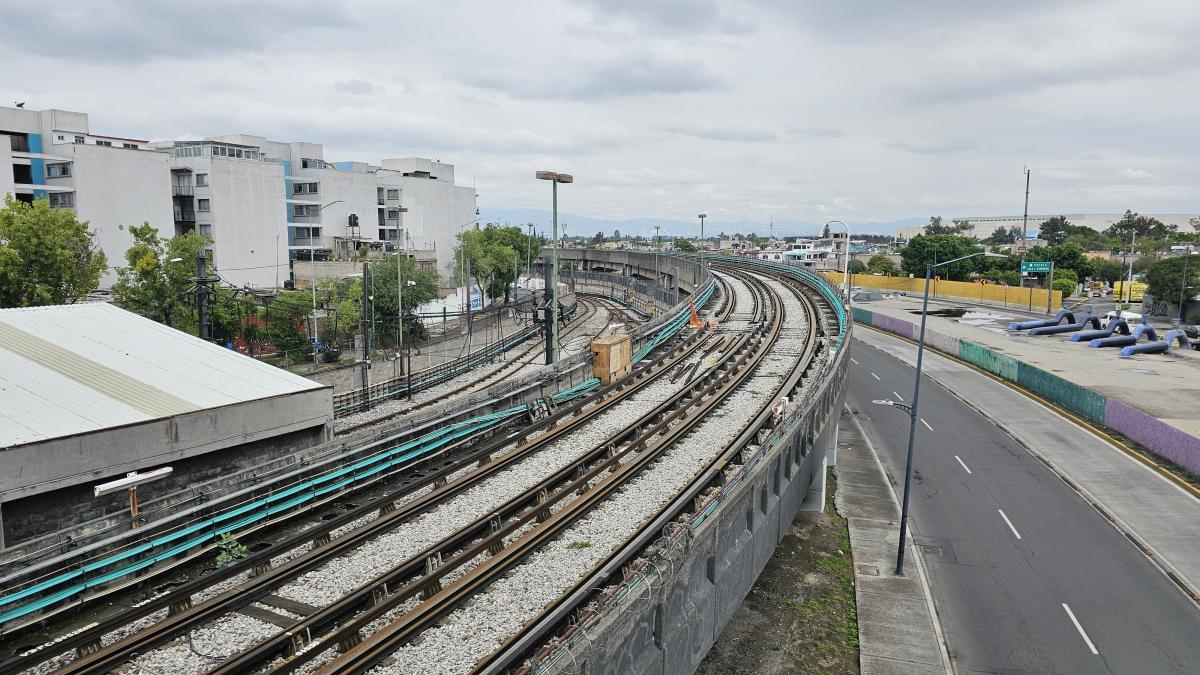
(1030, 298)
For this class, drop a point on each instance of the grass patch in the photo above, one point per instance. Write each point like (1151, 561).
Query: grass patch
(579, 544)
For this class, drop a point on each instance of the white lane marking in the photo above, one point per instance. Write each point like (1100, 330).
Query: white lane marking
(874, 376)
(964, 464)
(1079, 628)
(1009, 523)
(926, 424)
(853, 360)
(898, 396)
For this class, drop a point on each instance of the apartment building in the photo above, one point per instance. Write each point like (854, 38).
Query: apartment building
(263, 203)
(332, 210)
(108, 181)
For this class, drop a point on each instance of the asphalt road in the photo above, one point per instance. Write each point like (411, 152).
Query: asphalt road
(1026, 576)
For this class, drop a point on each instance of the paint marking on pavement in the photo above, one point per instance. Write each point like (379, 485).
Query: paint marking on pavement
(853, 360)
(1017, 534)
(874, 376)
(898, 396)
(1079, 628)
(964, 465)
(926, 424)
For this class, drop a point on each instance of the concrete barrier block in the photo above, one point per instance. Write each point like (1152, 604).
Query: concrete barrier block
(893, 325)
(1161, 438)
(991, 361)
(1071, 396)
(941, 342)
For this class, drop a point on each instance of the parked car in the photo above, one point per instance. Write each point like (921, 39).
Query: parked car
(1130, 317)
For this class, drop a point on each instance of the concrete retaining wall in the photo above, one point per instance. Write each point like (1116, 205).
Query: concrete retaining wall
(1159, 437)
(666, 617)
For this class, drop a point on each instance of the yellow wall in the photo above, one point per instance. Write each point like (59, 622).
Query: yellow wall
(1008, 295)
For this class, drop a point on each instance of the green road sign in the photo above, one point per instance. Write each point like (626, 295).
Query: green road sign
(1036, 266)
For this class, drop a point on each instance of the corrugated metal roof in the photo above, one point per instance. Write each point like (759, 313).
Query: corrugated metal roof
(67, 369)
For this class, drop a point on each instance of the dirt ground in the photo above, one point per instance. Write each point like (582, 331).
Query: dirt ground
(800, 617)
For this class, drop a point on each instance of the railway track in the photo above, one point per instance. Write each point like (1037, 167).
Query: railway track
(107, 645)
(473, 383)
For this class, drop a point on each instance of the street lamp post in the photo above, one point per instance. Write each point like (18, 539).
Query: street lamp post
(912, 411)
(400, 254)
(1187, 253)
(703, 244)
(555, 179)
(657, 245)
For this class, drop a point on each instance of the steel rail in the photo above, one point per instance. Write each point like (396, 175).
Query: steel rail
(651, 442)
(616, 565)
(562, 423)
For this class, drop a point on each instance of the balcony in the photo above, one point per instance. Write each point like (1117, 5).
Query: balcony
(182, 191)
(185, 216)
(313, 219)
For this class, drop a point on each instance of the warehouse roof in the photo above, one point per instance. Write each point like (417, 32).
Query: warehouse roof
(69, 369)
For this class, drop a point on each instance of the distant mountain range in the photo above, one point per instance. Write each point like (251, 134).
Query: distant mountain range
(585, 225)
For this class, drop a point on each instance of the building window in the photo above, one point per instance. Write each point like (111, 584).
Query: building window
(304, 210)
(60, 138)
(201, 180)
(204, 229)
(129, 146)
(107, 144)
(58, 170)
(202, 204)
(304, 188)
(393, 194)
(393, 215)
(79, 139)
(382, 235)
(60, 200)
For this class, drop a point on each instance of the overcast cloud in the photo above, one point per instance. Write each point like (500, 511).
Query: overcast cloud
(865, 111)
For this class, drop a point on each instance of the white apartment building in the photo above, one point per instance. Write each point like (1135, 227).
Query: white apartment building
(328, 210)
(263, 203)
(108, 181)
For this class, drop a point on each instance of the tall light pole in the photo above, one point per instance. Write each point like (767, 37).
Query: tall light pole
(1187, 253)
(702, 216)
(529, 251)
(1025, 218)
(555, 179)
(845, 256)
(400, 251)
(657, 245)
(912, 411)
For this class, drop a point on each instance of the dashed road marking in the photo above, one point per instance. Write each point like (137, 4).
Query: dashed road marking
(1079, 628)
(964, 464)
(1010, 526)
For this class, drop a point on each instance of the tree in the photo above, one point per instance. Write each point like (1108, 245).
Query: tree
(1002, 235)
(420, 287)
(494, 253)
(616, 235)
(598, 238)
(47, 257)
(684, 245)
(1065, 286)
(1055, 230)
(158, 272)
(1146, 228)
(1070, 256)
(882, 264)
(856, 266)
(1108, 271)
(923, 250)
(1165, 278)
(957, 228)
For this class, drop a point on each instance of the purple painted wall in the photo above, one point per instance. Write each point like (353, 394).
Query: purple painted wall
(1161, 438)
(892, 325)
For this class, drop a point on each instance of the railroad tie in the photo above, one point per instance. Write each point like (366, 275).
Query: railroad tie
(434, 586)
(543, 514)
(180, 606)
(88, 648)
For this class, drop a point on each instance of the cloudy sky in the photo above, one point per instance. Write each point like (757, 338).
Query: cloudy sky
(805, 110)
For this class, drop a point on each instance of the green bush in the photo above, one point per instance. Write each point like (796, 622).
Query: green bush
(1065, 285)
(231, 550)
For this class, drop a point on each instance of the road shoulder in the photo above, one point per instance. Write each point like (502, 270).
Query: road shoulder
(898, 628)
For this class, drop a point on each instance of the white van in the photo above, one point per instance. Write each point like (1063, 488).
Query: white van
(1132, 318)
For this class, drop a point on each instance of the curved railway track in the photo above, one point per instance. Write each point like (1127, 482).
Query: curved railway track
(510, 366)
(95, 653)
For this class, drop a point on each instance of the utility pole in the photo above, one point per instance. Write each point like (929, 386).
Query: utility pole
(1025, 218)
(1128, 294)
(555, 179)
(203, 291)
(365, 340)
(703, 244)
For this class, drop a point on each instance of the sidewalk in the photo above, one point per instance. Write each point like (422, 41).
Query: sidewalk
(897, 627)
(1158, 515)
